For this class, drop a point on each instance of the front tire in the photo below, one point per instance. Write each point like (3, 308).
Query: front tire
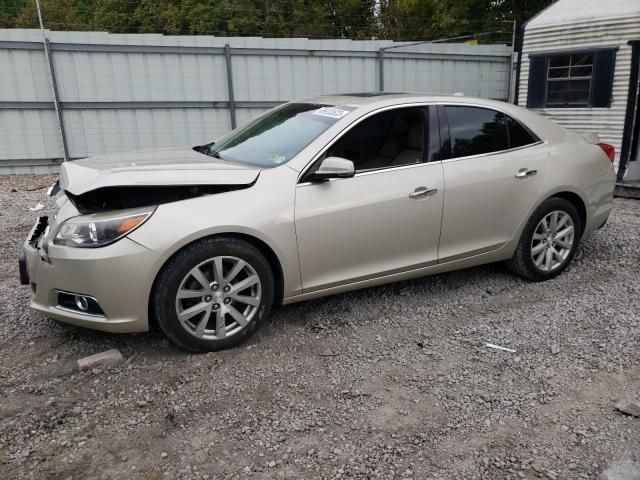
(548, 242)
(213, 294)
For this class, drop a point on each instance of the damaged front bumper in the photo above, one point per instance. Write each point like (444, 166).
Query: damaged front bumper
(117, 277)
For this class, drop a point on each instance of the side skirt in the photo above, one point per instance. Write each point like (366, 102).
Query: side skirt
(503, 253)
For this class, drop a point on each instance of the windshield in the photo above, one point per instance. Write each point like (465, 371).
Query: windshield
(278, 136)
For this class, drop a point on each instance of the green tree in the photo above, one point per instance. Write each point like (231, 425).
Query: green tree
(9, 10)
(358, 19)
(414, 19)
(59, 14)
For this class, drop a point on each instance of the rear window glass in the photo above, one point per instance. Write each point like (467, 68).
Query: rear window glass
(474, 131)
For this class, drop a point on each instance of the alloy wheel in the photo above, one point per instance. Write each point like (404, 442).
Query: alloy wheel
(552, 240)
(218, 297)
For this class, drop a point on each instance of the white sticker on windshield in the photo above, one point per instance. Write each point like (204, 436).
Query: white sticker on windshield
(331, 112)
(275, 158)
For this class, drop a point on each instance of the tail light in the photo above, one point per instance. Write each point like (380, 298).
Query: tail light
(609, 150)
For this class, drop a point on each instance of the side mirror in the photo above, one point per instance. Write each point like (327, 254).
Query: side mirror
(333, 167)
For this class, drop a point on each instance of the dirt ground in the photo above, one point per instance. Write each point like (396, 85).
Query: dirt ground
(388, 382)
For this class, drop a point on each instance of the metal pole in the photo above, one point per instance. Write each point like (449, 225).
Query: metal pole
(232, 101)
(381, 69)
(40, 16)
(511, 94)
(56, 99)
(440, 40)
(54, 86)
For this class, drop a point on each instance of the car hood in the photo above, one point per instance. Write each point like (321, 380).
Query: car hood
(175, 166)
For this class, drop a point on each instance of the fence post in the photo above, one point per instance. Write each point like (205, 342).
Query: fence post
(511, 84)
(52, 72)
(381, 69)
(56, 99)
(232, 100)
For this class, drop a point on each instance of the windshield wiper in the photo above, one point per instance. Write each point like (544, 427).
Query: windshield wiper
(203, 148)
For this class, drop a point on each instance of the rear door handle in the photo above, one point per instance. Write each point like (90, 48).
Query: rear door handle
(422, 192)
(525, 172)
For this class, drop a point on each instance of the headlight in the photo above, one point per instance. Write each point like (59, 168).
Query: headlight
(100, 229)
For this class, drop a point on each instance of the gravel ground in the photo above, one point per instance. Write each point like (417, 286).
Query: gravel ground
(388, 382)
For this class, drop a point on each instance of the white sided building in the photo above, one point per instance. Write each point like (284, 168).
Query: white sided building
(580, 66)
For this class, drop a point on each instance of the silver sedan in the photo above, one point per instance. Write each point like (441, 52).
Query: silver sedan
(312, 198)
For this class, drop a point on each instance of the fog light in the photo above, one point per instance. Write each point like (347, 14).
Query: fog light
(81, 302)
(77, 302)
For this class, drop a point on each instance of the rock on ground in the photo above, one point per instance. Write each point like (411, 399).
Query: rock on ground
(622, 470)
(630, 407)
(102, 359)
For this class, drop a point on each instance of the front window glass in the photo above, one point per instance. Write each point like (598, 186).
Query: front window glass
(278, 136)
(388, 139)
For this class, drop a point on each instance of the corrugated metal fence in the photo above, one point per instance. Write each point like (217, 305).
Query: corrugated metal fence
(115, 92)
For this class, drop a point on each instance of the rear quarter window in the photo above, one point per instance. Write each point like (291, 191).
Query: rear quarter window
(519, 136)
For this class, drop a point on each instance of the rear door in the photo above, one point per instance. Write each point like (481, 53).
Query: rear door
(493, 171)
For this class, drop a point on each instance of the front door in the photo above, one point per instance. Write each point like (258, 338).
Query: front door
(386, 219)
(495, 170)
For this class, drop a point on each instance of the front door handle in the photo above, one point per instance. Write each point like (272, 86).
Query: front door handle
(525, 172)
(422, 192)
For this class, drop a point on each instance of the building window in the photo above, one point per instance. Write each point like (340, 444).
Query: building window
(571, 79)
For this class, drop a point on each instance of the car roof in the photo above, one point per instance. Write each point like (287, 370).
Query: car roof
(369, 101)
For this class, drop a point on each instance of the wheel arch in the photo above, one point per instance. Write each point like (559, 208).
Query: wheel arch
(263, 248)
(269, 254)
(520, 260)
(565, 193)
(577, 201)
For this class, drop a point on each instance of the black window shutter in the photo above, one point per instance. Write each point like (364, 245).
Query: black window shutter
(602, 80)
(537, 81)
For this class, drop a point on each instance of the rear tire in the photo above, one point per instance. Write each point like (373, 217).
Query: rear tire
(546, 248)
(214, 294)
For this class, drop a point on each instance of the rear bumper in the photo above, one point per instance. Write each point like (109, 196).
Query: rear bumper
(599, 220)
(599, 217)
(118, 276)
(600, 203)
